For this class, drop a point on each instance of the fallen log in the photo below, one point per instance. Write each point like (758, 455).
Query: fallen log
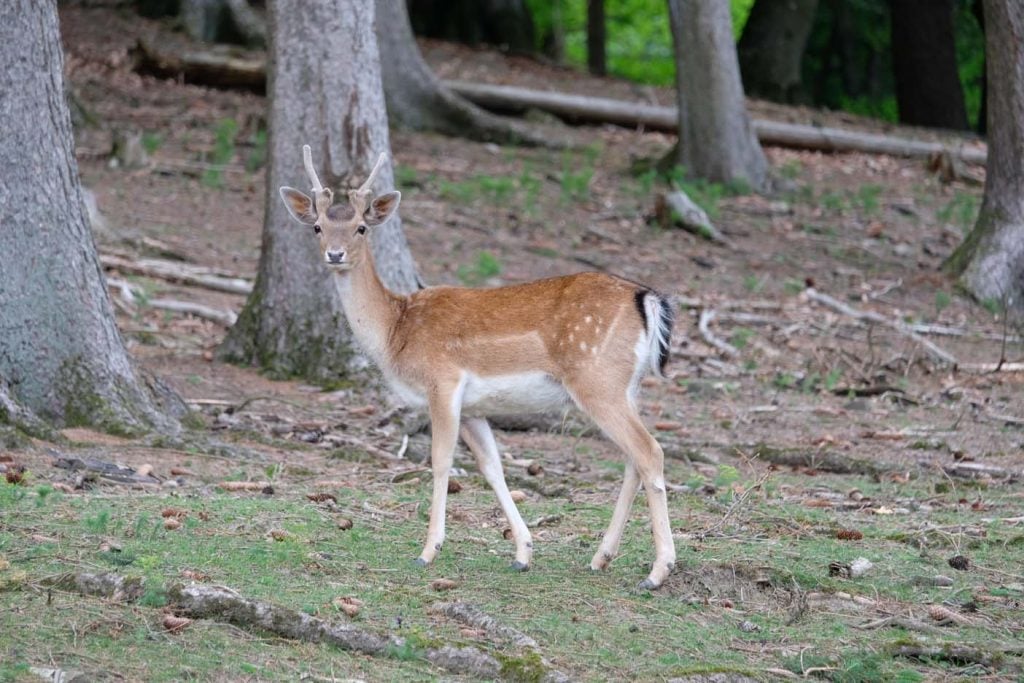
(172, 271)
(229, 67)
(584, 109)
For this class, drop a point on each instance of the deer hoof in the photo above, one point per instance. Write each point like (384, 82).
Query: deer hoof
(647, 585)
(518, 566)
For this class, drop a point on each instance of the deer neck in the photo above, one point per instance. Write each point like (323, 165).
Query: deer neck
(371, 308)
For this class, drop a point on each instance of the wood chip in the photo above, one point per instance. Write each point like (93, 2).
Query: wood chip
(244, 485)
(443, 584)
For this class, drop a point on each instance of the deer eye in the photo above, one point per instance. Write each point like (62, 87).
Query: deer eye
(316, 229)
(361, 230)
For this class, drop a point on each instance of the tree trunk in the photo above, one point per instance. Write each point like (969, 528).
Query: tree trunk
(772, 48)
(416, 99)
(596, 27)
(326, 93)
(991, 258)
(223, 21)
(928, 90)
(506, 24)
(716, 140)
(61, 355)
(978, 9)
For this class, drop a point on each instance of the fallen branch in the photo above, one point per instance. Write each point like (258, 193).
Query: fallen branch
(472, 616)
(962, 654)
(676, 208)
(870, 316)
(826, 461)
(172, 271)
(116, 473)
(706, 316)
(217, 66)
(902, 622)
(579, 108)
(111, 586)
(130, 296)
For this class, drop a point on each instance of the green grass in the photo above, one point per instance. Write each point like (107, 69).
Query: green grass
(592, 625)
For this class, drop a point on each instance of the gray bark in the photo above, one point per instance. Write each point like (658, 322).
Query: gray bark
(417, 100)
(771, 49)
(325, 92)
(61, 356)
(716, 140)
(991, 258)
(223, 20)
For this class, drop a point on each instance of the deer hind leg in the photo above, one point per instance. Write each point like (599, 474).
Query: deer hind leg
(445, 407)
(617, 417)
(478, 436)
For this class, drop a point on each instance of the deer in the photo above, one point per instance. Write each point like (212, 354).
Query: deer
(466, 354)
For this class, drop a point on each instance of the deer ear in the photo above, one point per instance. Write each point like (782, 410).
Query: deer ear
(382, 208)
(299, 205)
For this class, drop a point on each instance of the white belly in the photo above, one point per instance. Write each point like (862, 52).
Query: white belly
(529, 392)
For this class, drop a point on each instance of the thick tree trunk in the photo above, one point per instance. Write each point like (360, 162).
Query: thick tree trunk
(416, 99)
(978, 9)
(504, 23)
(772, 48)
(716, 140)
(325, 92)
(596, 32)
(991, 258)
(928, 90)
(218, 21)
(61, 355)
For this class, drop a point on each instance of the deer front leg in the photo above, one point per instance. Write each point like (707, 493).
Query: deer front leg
(478, 436)
(445, 407)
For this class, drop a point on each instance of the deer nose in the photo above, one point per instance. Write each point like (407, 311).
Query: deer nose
(335, 255)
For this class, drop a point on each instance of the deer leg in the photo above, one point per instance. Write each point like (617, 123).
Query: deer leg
(619, 420)
(478, 436)
(610, 542)
(444, 433)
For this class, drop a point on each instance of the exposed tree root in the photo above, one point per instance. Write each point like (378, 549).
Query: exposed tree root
(470, 615)
(219, 603)
(995, 658)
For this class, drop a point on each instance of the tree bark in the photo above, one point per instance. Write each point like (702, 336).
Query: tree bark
(771, 49)
(61, 355)
(928, 90)
(596, 37)
(416, 99)
(506, 24)
(326, 93)
(716, 140)
(991, 258)
(232, 21)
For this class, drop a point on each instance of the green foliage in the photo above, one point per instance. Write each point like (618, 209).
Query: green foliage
(486, 267)
(961, 211)
(151, 141)
(257, 157)
(639, 45)
(223, 151)
(942, 300)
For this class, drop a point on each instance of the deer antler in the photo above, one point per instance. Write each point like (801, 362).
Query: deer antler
(360, 199)
(322, 197)
(307, 161)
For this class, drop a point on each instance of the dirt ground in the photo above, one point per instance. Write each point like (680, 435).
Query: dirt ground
(869, 231)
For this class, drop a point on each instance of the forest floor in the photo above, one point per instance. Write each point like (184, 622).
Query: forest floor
(819, 441)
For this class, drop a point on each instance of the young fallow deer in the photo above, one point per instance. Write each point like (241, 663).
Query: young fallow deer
(466, 354)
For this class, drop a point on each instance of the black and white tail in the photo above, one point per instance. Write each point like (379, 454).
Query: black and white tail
(658, 319)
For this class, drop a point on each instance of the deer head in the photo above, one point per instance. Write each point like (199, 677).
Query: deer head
(343, 229)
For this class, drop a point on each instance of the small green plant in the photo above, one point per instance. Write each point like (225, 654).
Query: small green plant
(832, 378)
(98, 523)
(784, 380)
(497, 189)
(867, 196)
(486, 266)
(741, 337)
(464, 192)
(223, 151)
(961, 211)
(792, 169)
(151, 141)
(942, 300)
(833, 202)
(406, 176)
(257, 157)
(993, 306)
(753, 283)
(792, 286)
(575, 179)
